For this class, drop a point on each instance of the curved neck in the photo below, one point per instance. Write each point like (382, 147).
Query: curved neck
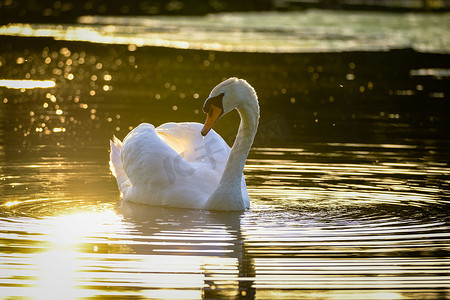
(249, 114)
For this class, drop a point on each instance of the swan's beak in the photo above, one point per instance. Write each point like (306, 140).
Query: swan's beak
(212, 116)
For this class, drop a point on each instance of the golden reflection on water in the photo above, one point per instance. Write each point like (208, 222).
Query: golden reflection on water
(27, 84)
(365, 181)
(53, 266)
(11, 203)
(311, 31)
(74, 264)
(311, 232)
(69, 231)
(59, 267)
(56, 272)
(110, 35)
(81, 253)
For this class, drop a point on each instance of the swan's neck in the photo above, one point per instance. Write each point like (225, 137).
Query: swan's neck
(249, 114)
(228, 195)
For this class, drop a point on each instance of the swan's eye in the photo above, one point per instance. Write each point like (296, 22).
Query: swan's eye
(216, 101)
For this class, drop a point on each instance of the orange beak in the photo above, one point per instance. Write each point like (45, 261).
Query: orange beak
(213, 115)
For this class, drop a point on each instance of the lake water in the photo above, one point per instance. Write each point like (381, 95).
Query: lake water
(306, 31)
(349, 176)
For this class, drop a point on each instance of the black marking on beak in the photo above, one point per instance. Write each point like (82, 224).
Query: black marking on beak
(216, 101)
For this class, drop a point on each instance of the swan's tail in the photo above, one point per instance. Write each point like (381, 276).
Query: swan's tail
(116, 166)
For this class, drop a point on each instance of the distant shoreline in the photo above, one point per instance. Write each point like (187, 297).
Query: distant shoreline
(67, 12)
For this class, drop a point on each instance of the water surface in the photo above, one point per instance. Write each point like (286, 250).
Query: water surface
(348, 176)
(301, 31)
(316, 229)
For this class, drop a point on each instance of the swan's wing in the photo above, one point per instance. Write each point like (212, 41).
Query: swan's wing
(173, 165)
(143, 155)
(187, 140)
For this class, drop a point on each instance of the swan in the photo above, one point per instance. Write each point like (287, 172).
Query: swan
(189, 165)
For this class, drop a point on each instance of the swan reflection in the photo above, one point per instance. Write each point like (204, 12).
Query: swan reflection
(211, 241)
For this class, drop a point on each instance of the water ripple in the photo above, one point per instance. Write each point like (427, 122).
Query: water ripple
(324, 222)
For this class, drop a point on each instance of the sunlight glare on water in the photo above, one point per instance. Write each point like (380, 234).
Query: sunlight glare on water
(312, 235)
(26, 84)
(312, 30)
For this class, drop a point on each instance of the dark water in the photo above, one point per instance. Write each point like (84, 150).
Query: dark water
(348, 178)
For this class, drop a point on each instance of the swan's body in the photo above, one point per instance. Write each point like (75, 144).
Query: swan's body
(185, 164)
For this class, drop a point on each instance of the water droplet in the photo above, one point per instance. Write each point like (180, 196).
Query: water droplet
(64, 51)
(350, 76)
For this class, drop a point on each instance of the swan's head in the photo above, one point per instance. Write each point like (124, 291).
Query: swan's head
(228, 95)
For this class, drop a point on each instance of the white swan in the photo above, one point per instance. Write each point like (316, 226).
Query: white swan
(189, 165)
